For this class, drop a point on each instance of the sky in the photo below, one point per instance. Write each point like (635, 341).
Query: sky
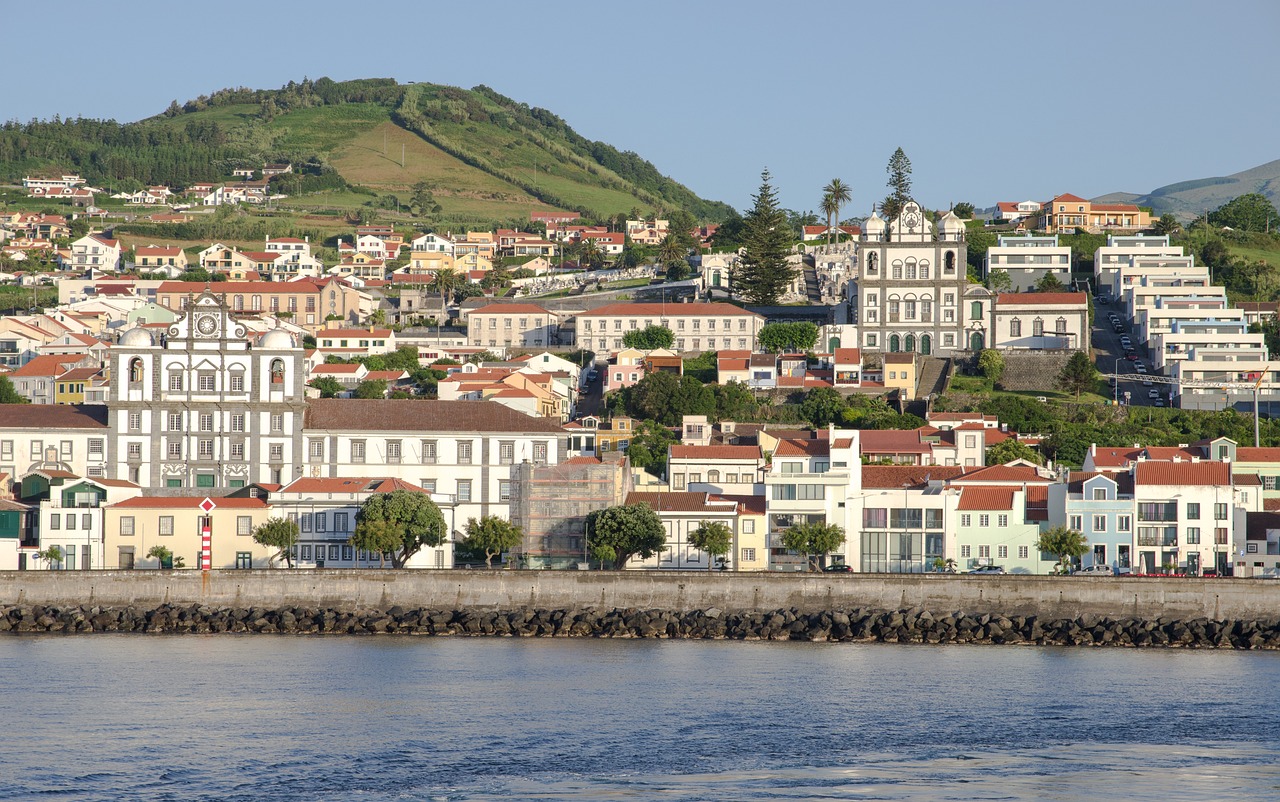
(990, 102)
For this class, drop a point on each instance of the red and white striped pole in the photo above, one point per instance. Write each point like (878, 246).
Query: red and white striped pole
(206, 534)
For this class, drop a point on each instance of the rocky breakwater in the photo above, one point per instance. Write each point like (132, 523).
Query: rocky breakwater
(859, 625)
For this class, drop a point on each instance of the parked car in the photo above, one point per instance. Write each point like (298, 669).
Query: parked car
(1159, 402)
(1094, 570)
(839, 568)
(988, 569)
(1104, 299)
(1153, 393)
(1131, 356)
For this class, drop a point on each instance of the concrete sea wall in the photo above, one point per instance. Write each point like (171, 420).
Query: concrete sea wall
(676, 592)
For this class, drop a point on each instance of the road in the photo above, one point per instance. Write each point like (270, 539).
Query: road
(1107, 349)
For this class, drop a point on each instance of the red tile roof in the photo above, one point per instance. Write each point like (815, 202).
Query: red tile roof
(331, 333)
(411, 415)
(349, 485)
(47, 365)
(1069, 198)
(891, 441)
(747, 505)
(1182, 473)
(511, 309)
(679, 501)
(715, 452)
(849, 355)
(987, 498)
(896, 477)
(668, 310)
(1251, 454)
(1042, 298)
(802, 448)
(188, 503)
(1006, 474)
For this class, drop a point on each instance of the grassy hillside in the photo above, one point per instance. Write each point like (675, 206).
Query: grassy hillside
(484, 156)
(1188, 199)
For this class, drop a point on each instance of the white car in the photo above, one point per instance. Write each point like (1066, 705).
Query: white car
(1146, 383)
(1141, 368)
(1094, 570)
(1153, 393)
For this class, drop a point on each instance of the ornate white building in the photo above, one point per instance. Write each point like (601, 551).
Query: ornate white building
(204, 408)
(912, 292)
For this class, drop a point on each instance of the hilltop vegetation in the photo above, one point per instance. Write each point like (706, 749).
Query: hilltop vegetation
(1188, 199)
(483, 155)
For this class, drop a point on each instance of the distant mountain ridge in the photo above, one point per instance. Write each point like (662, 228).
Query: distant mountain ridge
(1188, 199)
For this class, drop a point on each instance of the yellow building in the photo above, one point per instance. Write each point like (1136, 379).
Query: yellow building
(131, 528)
(69, 388)
(1067, 212)
(751, 539)
(421, 262)
(900, 373)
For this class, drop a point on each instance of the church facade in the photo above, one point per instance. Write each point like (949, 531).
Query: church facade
(912, 292)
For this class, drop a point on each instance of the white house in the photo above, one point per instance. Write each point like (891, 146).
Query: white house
(1040, 320)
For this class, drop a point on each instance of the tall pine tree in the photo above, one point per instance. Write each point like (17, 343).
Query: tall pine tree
(899, 170)
(764, 274)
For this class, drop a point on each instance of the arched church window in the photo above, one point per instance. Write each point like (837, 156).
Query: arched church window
(975, 310)
(949, 262)
(277, 371)
(873, 263)
(135, 370)
(238, 304)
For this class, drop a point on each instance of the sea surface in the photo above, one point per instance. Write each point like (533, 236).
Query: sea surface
(259, 717)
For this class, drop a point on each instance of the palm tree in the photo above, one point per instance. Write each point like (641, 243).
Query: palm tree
(831, 209)
(447, 280)
(840, 193)
(669, 250)
(588, 253)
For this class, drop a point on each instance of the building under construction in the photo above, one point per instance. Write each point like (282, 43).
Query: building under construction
(551, 503)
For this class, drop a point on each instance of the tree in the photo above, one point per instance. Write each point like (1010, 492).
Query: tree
(1252, 212)
(1079, 374)
(278, 533)
(666, 398)
(648, 446)
(616, 534)
(812, 539)
(378, 317)
(1167, 224)
(1066, 544)
(589, 255)
(371, 388)
(328, 386)
(51, 555)
(1007, 451)
(447, 281)
(422, 201)
(991, 363)
(999, 281)
(731, 233)
(670, 251)
(823, 406)
(839, 192)
(492, 536)
(1049, 283)
(830, 208)
(9, 394)
(714, 538)
(401, 522)
(649, 338)
(899, 170)
(161, 553)
(963, 210)
(764, 274)
(734, 402)
(797, 337)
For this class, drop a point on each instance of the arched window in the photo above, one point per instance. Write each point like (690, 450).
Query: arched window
(872, 263)
(1037, 327)
(975, 310)
(257, 303)
(238, 303)
(909, 344)
(894, 343)
(924, 269)
(896, 271)
(949, 262)
(911, 269)
(713, 476)
(135, 370)
(926, 344)
(277, 371)
(1060, 325)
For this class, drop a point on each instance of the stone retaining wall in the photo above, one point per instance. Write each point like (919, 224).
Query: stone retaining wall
(676, 591)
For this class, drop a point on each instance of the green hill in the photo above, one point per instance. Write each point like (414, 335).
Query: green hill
(483, 156)
(1188, 199)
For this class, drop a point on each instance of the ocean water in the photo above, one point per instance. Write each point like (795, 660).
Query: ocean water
(222, 717)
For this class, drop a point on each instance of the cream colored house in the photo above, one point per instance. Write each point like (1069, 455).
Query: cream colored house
(696, 326)
(131, 528)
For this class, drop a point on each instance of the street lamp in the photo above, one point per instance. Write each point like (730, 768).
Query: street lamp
(1115, 390)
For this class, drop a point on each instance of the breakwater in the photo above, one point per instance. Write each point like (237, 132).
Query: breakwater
(893, 626)
(1047, 598)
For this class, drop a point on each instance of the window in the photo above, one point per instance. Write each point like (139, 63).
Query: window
(206, 381)
(678, 481)
(277, 422)
(875, 518)
(984, 521)
(135, 451)
(975, 310)
(1037, 328)
(1193, 535)
(316, 450)
(304, 522)
(244, 560)
(166, 524)
(748, 555)
(464, 490)
(1220, 536)
(965, 552)
(205, 449)
(1099, 494)
(175, 381)
(1219, 512)
(539, 453)
(984, 551)
(1002, 552)
(237, 451)
(175, 449)
(504, 490)
(322, 521)
(1075, 522)
(1023, 552)
(933, 519)
(966, 519)
(1015, 328)
(464, 452)
(357, 451)
(1124, 523)
(1060, 325)
(393, 451)
(749, 526)
(206, 422)
(506, 453)
(237, 422)
(55, 521)
(237, 383)
(126, 526)
(277, 452)
(428, 485)
(1099, 523)
(340, 524)
(1002, 520)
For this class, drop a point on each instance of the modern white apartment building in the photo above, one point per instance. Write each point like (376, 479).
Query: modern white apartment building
(1120, 250)
(1028, 259)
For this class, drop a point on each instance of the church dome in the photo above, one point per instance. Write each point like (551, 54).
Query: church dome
(277, 338)
(873, 225)
(136, 337)
(950, 224)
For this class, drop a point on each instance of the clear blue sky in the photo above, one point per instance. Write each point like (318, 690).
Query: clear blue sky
(991, 102)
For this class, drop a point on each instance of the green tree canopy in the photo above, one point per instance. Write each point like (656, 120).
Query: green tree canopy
(822, 406)
(1167, 224)
(963, 210)
(991, 363)
(735, 402)
(1049, 283)
(492, 536)
(763, 273)
(648, 446)
(714, 538)
(371, 388)
(666, 398)
(899, 170)
(1067, 544)
(1252, 212)
(328, 386)
(401, 522)
(812, 540)
(161, 553)
(1079, 375)
(1007, 451)
(616, 534)
(9, 394)
(788, 337)
(649, 338)
(278, 533)
(998, 280)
